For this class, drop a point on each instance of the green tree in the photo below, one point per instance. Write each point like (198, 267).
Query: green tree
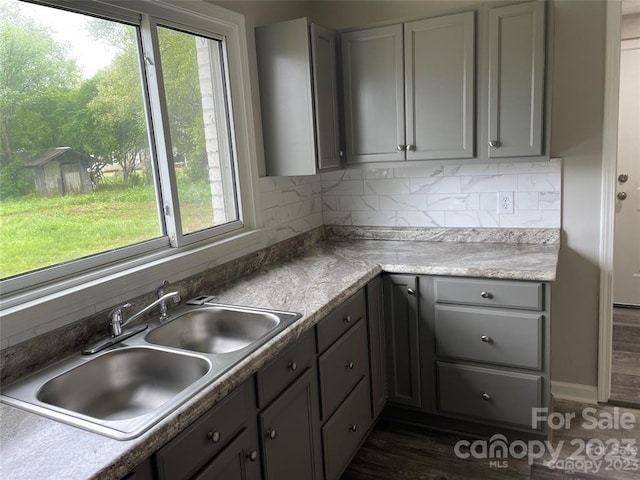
(35, 75)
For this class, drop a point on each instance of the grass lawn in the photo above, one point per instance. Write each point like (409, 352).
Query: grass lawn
(40, 232)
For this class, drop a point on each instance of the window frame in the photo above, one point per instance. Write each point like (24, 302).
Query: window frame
(42, 300)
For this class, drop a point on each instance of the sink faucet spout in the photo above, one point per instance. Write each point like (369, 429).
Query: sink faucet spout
(117, 317)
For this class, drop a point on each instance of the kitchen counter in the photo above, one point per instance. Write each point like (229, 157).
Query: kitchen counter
(312, 283)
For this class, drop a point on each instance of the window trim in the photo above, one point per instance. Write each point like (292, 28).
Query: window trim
(40, 301)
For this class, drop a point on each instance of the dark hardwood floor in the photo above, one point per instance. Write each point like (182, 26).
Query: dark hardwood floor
(625, 363)
(394, 452)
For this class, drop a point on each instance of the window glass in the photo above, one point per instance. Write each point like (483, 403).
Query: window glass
(81, 172)
(76, 169)
(196, 95)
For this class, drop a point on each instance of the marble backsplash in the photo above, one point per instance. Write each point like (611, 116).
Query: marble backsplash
(458, 196)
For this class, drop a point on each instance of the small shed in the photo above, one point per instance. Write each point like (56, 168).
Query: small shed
(61, 170)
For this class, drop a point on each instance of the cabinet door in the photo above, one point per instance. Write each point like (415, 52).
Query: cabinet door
(289, 429)
(286, 99)
(377, 350)
(325, 92)
(516, 80)
(440, 87)
(401, 321)
(238, 461)
(374, 94)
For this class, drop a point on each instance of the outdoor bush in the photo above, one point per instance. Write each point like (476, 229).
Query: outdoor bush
(14, 180)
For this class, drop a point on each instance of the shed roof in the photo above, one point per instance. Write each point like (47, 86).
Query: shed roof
(60, 153)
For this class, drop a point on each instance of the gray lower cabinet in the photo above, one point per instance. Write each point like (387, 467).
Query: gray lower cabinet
(289, 432)
(299, 97)
(483, 349)
(403, 344)
(223, 438)
(302, 416)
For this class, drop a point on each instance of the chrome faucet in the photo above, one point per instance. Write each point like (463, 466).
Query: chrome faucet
(117, 317)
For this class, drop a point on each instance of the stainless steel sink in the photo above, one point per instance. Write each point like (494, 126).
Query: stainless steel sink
(124, 383)
(129, 387)
(215, 329)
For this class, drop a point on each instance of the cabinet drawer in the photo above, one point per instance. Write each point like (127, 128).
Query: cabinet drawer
(285, 368)
(190, 450)
(495, 293)
(342, 366)
(493, 395)
(342, 434)
(489, 335)
(340, 320)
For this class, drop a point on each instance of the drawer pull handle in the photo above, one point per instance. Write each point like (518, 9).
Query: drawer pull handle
(353, 427)
(272, 434)
(485, 339)
(349, 365)
(486, 396)
(213, 436)
(486, 295)
(347, 319)
(293, 366)
(411, 291)
(252, 456)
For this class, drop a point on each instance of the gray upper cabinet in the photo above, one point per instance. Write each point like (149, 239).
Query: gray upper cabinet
(409, 90)
(515, 84)
(373, 76)
(298, 97)
(440, 84)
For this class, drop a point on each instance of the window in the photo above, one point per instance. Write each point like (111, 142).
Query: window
(118, 137)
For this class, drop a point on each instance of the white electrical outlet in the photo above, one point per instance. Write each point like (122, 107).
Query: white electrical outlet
(505, 202)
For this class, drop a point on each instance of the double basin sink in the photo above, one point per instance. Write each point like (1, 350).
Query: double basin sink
(125, 390)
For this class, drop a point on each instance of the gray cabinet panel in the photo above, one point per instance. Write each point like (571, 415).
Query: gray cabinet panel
(289, 429)
(488, 335)
(516, 80)
(489, 395)
(189, 451)
(342, 366)
(377, 349)
(374, 94)
(341, 319)
(238, 461)
(342, 434)
(403, 346)
(440, 87)
(297, 73)
(285, 368)
(325, 94)
(493, 293)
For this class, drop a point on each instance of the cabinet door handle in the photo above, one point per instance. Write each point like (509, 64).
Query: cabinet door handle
(272, 433)
(494, 143)
(486, 396)
(347, 319)
(411, 291)
(410, 148)
(340, 154)
(349, 365)
(485, 339)
(401, 148)
(293, 366)
(214, 437)
(353, 427)
(252, 456)
(486, 295)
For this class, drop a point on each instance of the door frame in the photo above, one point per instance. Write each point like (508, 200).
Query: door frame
(608, 187)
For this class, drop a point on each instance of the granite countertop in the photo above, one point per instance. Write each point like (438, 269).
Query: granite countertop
(313, 283)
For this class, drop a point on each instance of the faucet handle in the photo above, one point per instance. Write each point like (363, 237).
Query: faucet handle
(116, 319)
(161, 289)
